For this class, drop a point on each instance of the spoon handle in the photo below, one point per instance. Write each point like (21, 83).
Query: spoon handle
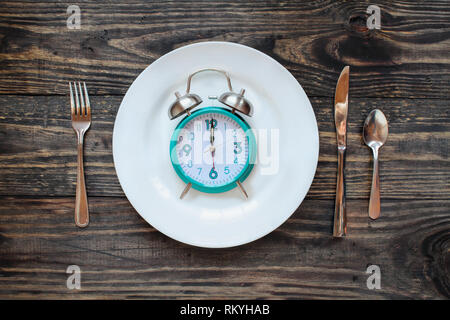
(374, 203)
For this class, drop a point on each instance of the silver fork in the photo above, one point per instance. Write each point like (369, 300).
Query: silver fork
(81, 121)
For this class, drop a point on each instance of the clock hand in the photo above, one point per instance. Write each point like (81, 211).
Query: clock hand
(213, 148)
(211, 132)
(211, 140)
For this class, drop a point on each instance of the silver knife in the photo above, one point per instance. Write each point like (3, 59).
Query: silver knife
(340, 120)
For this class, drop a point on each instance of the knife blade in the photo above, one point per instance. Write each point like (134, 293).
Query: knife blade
(340, 120)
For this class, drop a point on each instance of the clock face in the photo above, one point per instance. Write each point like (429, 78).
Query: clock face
(212, 149)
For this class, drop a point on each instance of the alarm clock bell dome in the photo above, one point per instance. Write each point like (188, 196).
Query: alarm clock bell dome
(237, 102)
(183, 104)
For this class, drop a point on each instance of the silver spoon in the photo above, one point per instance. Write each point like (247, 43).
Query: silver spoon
(375, 135)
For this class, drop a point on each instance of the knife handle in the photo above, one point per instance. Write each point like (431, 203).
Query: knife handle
(340, 220)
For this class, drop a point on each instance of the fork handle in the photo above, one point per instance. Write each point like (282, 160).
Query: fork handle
(81, 204)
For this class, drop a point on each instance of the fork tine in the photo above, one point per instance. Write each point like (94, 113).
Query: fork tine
(83, 107)
(77, 102)
(88, 103)
(72, 102)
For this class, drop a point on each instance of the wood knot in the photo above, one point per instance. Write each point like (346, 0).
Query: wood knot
(437, 267)
(358, 23)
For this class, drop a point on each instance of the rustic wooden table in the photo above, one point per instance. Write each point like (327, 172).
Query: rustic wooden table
(402, 68)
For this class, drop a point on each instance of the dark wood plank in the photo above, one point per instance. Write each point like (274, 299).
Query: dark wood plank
(38, 148)
(121, 256)
(408, 57)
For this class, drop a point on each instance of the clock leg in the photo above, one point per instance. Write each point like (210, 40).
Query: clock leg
(186, 189)
(242, 189)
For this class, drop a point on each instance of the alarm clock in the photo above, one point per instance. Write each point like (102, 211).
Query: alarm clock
(212, 149)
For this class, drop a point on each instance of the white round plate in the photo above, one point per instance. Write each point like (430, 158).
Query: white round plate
(276, 188)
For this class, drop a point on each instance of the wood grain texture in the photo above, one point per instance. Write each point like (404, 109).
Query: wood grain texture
(121, 256)
(408, 57)
(403, 69)
(38, 148)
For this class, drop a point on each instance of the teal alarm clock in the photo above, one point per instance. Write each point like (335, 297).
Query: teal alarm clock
(212, 149)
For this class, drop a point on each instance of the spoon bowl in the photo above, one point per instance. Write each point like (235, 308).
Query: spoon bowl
(375, 129)
(375, 134)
